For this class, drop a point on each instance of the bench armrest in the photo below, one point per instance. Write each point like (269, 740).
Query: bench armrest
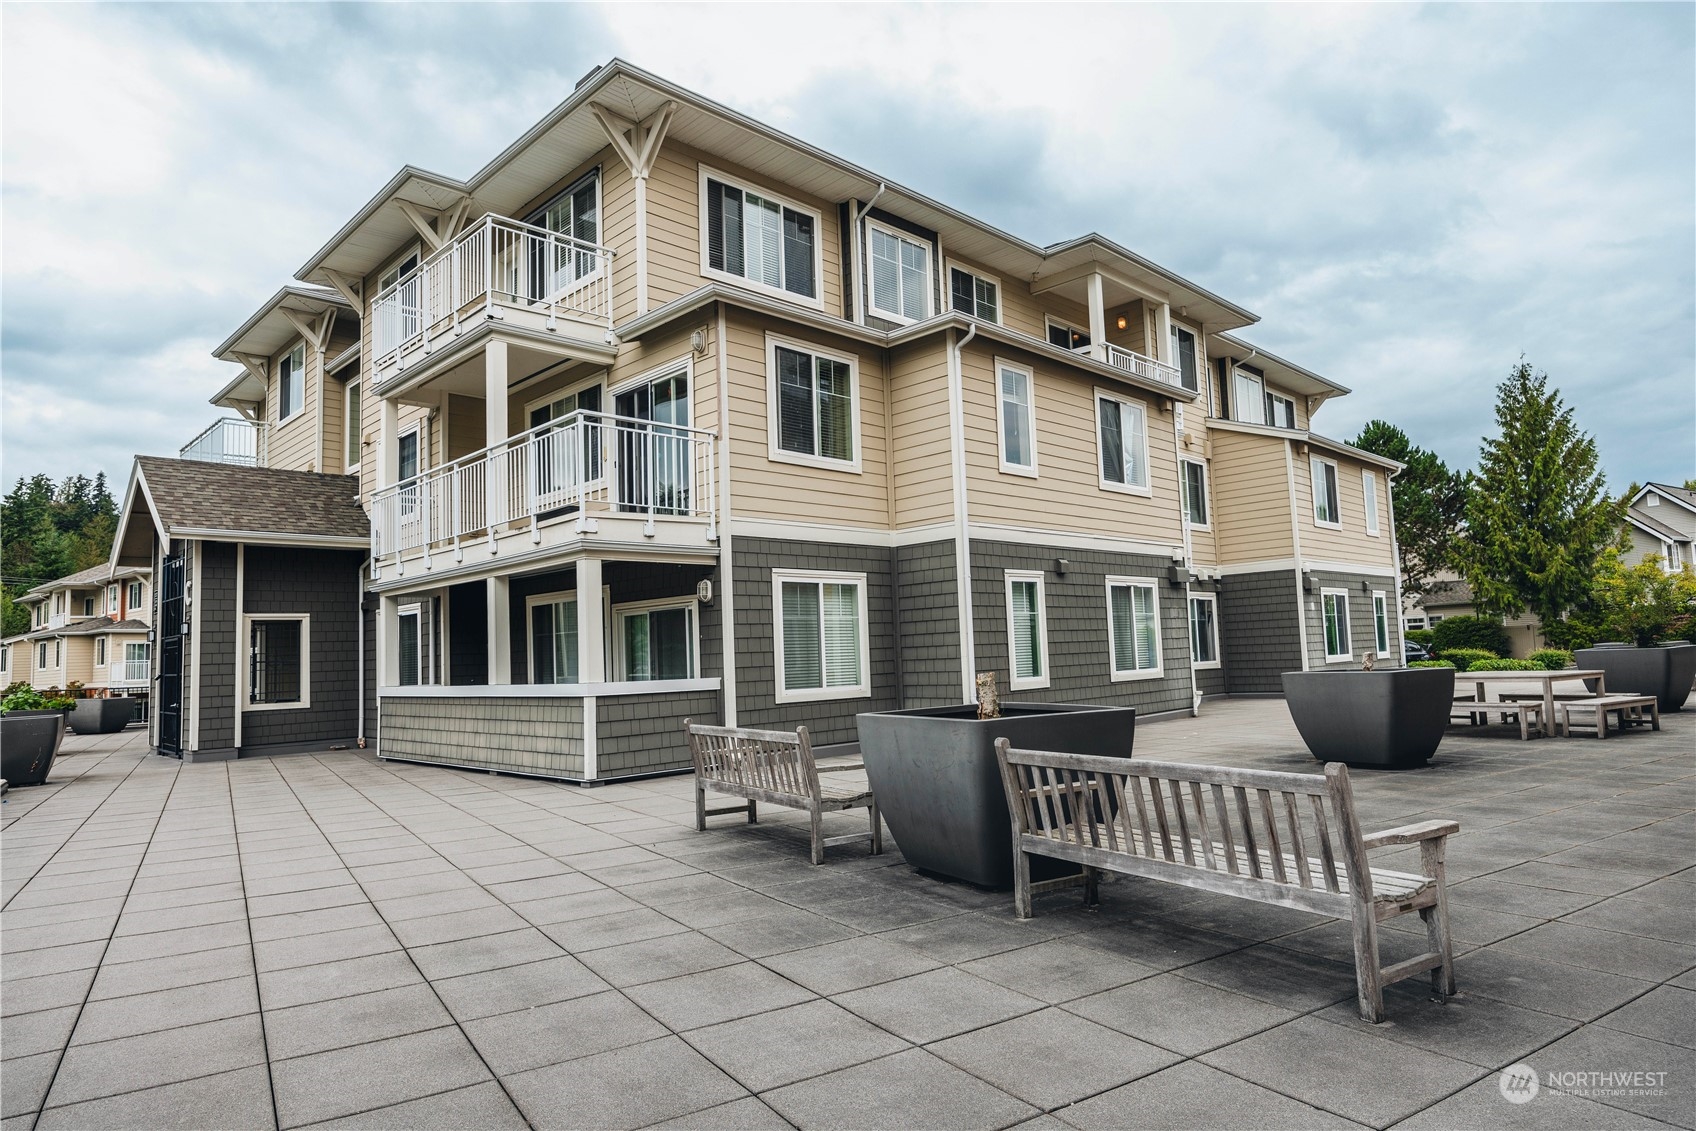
(1410, 834)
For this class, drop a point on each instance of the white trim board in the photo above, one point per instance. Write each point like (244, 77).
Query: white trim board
(547, 690)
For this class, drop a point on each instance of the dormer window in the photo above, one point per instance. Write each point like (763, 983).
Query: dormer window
(760, 239)
(900, 270)
(291, 382)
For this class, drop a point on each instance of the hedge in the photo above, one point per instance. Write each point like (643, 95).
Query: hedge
(1552, 659)
(1464, 658)
(1470, 632)
(1420, 636)
(1430, 664)
(1504, 666)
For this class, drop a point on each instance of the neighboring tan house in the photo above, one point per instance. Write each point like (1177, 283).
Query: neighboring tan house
(664, 414)
(89, 629)
(1660, 520)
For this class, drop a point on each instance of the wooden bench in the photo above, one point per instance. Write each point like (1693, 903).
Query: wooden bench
(776, 767)
(1630, 709)
(1291, 840)
(1527, 714)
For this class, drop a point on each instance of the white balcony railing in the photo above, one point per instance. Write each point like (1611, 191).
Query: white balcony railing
(1145, 367)
(494, 262)
(228, 440)
(589, 463)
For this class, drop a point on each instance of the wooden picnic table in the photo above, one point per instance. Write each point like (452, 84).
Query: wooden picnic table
(1546, 678)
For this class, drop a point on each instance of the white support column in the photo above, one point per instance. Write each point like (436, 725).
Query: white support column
(1097, 318)
(591, 629)
(388, 643)
(388, 444)
(641, 242)
(1163, 330)
(494, 432)
(499, 590)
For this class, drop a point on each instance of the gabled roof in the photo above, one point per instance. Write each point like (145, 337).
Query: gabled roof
(92, 626)
(268, 330)
(1685, 499)
(570, 134)
(82, 579)
(1639, 516)
(1447, 594)
(225, 502)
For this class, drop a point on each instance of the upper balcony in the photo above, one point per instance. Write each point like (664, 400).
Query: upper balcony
(498, 269)
(588, 475)
(228, 440)
(1145, 367)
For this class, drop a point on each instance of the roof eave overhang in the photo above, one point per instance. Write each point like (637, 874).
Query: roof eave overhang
(309, 295)
(1305, 381)
(387, 193)
(272, 538)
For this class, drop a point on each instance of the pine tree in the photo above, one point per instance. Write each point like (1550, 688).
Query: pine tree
(1539, 516)
(1429, 498)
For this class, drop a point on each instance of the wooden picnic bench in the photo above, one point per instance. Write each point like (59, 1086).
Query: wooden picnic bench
(777, 767)
(1527, 713)
(1629, 708)
(1290, 840)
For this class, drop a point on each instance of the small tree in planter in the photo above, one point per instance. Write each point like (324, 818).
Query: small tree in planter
(1651, 614)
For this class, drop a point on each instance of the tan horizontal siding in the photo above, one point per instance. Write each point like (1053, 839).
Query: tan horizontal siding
(919, 431)
(1251, 497)
(1351, 543)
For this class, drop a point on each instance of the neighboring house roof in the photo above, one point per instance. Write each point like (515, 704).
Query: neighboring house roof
(93, 575)
(1678, 495)
(1447, 594)
(93, 626)
(226, 502)
(1638, 515)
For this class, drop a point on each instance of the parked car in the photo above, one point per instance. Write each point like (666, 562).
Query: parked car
(1413, 650)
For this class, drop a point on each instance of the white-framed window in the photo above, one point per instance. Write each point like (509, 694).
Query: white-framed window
(1280, 410)
(900, 273)
(1248, 397)
(5, 657)
(43, 652)
(88, 606)
(551, 637)
(412, 642)
(279, 661)
(99, 651)
(58, 603)
(1204, 630)
(135, 596)
(972, 292)
(1027, 630)
(1133, 627)
(112, 600)
(1015, 409)
(814, 405)
(1186, 357)
(136, 657)
(291, 382)
(1414, 623)
(1195, 493)
(1122, 439)
(1334, 605)
(1381, 622)
(408, 460)
(1369, 487)
(820, 637)
(1327, 510)
(353, 436)
(756, 238)
(1065, 335)
(576, 213)
(656, 640)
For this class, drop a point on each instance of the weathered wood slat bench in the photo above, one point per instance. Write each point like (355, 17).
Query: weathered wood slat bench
(1528, 714)
(1630, 709)
(1291, 840)
(777, 767)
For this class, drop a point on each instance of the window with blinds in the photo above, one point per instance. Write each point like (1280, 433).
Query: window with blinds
(1018, 421)
(1133, 627)
(1335, 606)
(1123, 435)
(760, 239)
(1027, 631)
(576, 213)
(1204, 632)
(1195, 492)
(553, 639)
(814, 403)
(900, 274)
(821, 635)
(974, 294)
(277, 662)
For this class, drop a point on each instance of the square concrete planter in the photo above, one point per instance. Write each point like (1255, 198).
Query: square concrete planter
(103, 716)
(29, 741)
(1665, 671)
(1391, 719)
(939, 789)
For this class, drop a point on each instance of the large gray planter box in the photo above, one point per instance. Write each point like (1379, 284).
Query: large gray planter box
(29, 741)
(103, 716)
(933, 770)
(1382, 720)
(1666, 672)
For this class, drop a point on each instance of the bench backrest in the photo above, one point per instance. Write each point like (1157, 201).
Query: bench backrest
(774, 760)
(1251, 832)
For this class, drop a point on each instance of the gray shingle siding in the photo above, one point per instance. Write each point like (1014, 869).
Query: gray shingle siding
(928, 624)
(324, 584)
(643, 734)
(542, 735)
(1259, 631)
(215, 622)
(829, 721)
(1080, 667)
(1361, 631)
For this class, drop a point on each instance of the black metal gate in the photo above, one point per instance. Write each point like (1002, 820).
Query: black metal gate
(169, 702)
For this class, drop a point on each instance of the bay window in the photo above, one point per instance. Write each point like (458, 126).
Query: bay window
(1133, 627)
(758, 238)
(1122, 436)
(814, 413)
(900, 274)
(1017, 418)
(1027, 631)
(820, 639)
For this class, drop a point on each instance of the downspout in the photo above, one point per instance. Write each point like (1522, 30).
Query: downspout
(962, 543)
(1295, 550)
(242, 646)
(359, 665)
(727, 570)
(1395, 555)
(1189, 544)
(856, 256)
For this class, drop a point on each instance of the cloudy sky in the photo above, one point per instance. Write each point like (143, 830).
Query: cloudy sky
(1410, 197)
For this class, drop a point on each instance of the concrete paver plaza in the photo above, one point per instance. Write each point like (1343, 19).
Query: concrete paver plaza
(326, 939)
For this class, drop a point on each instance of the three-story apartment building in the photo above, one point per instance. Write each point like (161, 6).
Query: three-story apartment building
(667, 414)
(88, 630)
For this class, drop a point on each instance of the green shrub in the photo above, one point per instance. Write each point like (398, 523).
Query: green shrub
(25, 698)
(1430, 664)
(1469, 632)
(1464, 658)
(1504, 666)
(60, 703)
(1551, 659)
(1420, 636)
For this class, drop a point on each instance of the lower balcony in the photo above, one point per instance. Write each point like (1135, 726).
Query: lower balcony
(585, 477)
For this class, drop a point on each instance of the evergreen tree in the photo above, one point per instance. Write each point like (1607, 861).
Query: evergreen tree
(1429, 498)
(48, 530)
(1539, 516)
